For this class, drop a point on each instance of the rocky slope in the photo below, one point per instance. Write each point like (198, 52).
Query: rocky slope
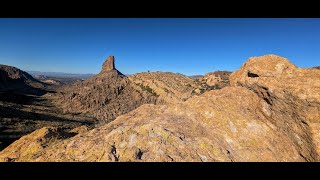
(168, 87)
(174, 88)
(270, 113)
(12, 78)
(104, 96)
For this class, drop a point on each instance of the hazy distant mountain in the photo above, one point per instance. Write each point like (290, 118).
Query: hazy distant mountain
(195, 76)
(60, 74)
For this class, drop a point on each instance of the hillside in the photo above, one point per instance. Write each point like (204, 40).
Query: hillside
(12, 78)
(24, 109)
(104, 96)
(169, 87)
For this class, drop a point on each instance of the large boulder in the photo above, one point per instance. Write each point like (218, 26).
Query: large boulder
(292, 94)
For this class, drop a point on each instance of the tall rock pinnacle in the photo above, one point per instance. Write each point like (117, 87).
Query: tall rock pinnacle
(108, 65)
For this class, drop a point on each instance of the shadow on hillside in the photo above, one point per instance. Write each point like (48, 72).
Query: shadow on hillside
(15, 122)
(12, 113)
(23, 96)
(12, 119)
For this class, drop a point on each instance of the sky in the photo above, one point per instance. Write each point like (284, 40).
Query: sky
(191, 46)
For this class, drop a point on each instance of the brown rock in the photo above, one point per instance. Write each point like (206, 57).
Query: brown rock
(291, 95)
(108, 65)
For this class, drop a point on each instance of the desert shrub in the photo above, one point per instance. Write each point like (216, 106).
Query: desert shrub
(148, 89)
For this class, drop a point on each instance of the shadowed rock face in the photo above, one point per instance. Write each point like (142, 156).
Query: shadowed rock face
(12, 78)
(270, 113)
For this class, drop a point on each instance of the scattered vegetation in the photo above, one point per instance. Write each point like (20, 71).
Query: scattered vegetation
(166, 90)
(148, 89)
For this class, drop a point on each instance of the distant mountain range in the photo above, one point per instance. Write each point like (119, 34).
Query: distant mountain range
(60, 74)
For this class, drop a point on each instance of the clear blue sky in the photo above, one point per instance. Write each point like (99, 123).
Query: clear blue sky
(188, 46)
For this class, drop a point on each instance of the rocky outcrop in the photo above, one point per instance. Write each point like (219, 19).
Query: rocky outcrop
(317, 67)
(215, 80)
(220, 78)
(212, 81)
(270, 113)
(108, 65)
(291, 95)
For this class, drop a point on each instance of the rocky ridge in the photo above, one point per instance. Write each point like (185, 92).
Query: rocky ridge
(168, 87)
(111, 94)
(12, 78)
